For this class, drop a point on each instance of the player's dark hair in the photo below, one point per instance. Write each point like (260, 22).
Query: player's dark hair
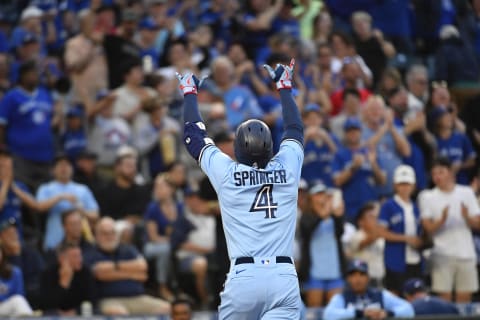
(442, 162)
(369, 206)
(65, 246)
(350, 91)
(68, 213)
(129, 65)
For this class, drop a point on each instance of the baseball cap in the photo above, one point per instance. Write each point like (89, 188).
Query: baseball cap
(148, 23)
(317, 188)
(31, 12)
(413, 286)
(404, 174)
(437, 113)
(302, 184)
(75, 111)
(126, 151)
(312, 107)
(352, 123)
(28, 38)
(357, 265)
(5, 224)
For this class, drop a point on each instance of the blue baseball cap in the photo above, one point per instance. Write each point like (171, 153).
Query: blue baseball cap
(312, 107)
(75, 111)
(352, 123)
(317, 188)
(148, 23)
(357, 266)
(437, 113)
(27, 38)
(413, 286)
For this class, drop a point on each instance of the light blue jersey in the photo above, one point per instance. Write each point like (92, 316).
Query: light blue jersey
(258, 206)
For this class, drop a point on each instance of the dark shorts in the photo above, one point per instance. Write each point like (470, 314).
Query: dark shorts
(394, 280)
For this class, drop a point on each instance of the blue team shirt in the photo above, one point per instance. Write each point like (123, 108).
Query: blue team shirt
(457, 148)
(240, 105)
(387, 157)
(74, 142)
(392, 217)
(155, 214)
(12, 286)
(323, 247)
(117, 288)
(258, 206)
(337, 308)
(28, 120)
(13, 205)
(317, 164)
(429, 305)
(361, 187)
(85, 200)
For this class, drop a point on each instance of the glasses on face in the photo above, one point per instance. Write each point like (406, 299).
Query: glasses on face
(107, 232)
(439, 84)
(423, 82)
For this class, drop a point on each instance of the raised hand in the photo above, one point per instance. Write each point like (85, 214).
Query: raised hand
(282, 75)
(189, 83)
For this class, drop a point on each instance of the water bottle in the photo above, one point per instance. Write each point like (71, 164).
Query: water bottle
(86, 309)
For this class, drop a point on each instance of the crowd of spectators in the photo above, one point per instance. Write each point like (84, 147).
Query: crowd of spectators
(100, 204)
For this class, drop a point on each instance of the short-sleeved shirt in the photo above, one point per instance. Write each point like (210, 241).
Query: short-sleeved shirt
(118, 288)
(240, 105)
(458, 148)
(361, 187)
(85, 200)
(454, 238)
(12, 286)
(258, 206)
(317, 163)
(27, 117)
(154, 213)
(387, 157)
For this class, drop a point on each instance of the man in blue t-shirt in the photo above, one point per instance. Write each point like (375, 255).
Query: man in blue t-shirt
(415, 292)
(26, 116)
(355, 169)
(120, 272)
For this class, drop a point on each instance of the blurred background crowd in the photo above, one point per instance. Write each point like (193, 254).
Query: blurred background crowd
(100, 202)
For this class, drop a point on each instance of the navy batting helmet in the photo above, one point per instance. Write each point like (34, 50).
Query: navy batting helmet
(253, 143)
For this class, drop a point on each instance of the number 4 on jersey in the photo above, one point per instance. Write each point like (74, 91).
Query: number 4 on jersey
(264, 201)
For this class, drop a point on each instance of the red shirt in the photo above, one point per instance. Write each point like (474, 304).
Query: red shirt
(337, 100)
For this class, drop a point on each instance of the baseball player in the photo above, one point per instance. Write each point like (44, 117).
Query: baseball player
(258, 202)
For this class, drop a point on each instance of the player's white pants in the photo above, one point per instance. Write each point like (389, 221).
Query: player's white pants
(15, 306)
(259, 291)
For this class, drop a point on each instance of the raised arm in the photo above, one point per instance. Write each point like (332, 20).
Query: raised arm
(293, 126)
(194, 132)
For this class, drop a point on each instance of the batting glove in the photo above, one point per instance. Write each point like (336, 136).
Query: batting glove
(189, 83)
(282, 75)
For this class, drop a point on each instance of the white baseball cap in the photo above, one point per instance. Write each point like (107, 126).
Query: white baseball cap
(404, 174)
(31, 12)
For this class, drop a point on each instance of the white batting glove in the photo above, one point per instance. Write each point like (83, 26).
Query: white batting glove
(282, 75)
(189, 83)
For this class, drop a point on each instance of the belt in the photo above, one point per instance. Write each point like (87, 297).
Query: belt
(280, 259)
